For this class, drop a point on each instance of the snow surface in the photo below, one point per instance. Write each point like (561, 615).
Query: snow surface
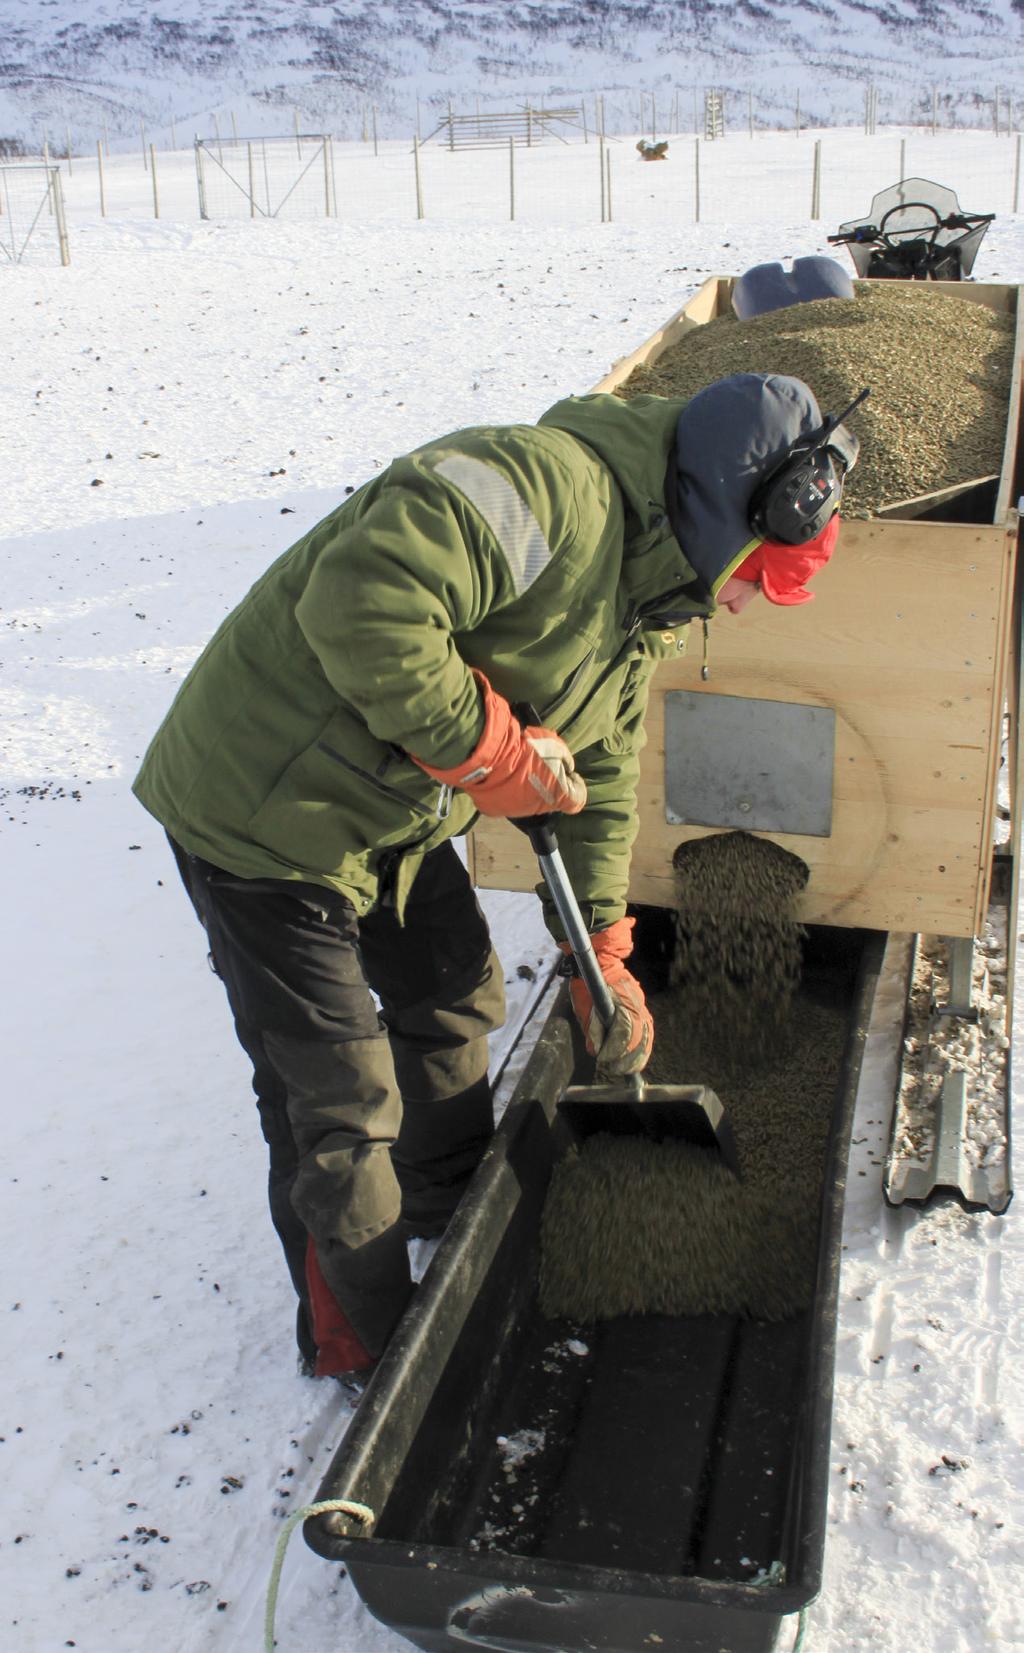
(222, 384)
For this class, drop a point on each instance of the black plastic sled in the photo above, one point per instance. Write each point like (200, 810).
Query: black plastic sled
(651, 1482)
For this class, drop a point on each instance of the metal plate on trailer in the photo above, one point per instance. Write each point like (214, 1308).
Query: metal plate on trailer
(764, 765)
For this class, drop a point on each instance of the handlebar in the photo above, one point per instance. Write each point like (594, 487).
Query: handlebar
(873, 232)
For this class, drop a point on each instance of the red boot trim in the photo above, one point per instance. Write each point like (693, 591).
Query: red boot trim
(338, 1349)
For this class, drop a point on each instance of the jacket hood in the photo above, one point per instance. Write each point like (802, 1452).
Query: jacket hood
(633, 439)
(726, 438)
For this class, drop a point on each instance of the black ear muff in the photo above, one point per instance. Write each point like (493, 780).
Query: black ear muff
(797, 499)
(799, 496)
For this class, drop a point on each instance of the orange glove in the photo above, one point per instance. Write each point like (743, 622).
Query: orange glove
(514, 771)
(626, 1046)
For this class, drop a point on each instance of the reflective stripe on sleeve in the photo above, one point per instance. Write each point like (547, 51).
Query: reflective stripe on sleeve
(514, 526)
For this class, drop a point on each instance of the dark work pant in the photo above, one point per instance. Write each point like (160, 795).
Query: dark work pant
(374, 1122)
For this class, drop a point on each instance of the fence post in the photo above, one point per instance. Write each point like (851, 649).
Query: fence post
(49, 175)
(750, 114)
(696, 180)
(816, 182)
(199, 180)
(600, 156)
(234, 128)
(419, 181)
(903, 159)
(174, 135)
(298, 140)
(608, 185)
(152, 169)
(99, 163)
(1016, 176)
(935, 107)
(374, 114)
(252, 181)
(62, 229)
(327, 181)
(334, 181)
(511, 178)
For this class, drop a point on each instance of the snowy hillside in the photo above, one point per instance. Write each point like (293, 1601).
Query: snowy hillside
(86, 64)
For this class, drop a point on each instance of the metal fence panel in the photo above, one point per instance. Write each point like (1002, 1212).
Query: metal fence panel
(265, 177)
(32, 223)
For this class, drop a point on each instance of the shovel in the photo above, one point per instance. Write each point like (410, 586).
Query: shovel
(629, 1107)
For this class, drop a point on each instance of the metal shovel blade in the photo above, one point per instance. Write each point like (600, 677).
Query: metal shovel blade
(665, 1113)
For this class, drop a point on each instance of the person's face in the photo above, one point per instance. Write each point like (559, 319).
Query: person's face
(736, 594)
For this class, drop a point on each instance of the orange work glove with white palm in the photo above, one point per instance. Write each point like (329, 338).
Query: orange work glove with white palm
(514, 771)
(626, 1046)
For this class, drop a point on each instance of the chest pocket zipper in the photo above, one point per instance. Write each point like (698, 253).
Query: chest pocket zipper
(443, 804)
(566, 693)
(629, 646)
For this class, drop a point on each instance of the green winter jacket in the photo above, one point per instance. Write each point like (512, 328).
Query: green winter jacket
(539, 554)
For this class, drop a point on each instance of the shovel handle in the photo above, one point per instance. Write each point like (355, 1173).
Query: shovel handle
(567, 907)
(540, 829)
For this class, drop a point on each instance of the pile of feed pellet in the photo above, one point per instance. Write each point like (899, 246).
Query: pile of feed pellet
(633, 1226)
(939, 369)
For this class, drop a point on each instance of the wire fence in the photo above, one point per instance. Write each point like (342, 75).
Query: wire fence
(283, 177)
(656, 187)
(32, 221)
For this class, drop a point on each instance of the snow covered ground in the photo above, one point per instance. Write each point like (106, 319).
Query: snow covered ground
(178, 405)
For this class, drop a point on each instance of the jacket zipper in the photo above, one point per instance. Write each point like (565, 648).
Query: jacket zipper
(632, 626)
(441, 809)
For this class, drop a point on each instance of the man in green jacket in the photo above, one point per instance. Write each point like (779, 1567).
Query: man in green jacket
(353, 716)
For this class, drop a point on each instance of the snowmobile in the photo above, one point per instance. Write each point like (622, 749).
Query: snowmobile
(915, 231)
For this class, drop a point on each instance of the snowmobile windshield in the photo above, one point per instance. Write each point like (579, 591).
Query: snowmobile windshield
(916, 210)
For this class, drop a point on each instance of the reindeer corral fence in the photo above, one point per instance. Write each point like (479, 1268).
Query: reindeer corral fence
(595, 177)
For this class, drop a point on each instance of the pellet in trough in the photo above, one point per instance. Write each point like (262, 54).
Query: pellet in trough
(939, 369)
(632, 1226)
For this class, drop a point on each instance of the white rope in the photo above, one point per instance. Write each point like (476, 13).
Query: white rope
(360, 1512)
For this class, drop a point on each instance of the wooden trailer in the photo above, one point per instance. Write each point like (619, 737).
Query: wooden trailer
(908, 643)
(878, 719)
